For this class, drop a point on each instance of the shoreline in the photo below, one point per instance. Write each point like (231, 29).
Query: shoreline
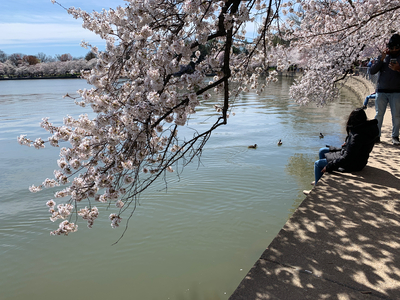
(45, 77)
(285, 74)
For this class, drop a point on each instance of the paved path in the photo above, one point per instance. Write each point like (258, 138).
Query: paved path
(343, 241)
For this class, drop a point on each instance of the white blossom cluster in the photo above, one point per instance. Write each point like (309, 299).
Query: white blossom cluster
(89, 214)
(62, 212)
(152, 77)
(64, 228)
(115, 220)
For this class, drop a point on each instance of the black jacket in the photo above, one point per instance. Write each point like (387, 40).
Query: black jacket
(388, 80)
(353, 156)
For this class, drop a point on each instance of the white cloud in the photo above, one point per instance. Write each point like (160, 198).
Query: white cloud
(33, 33)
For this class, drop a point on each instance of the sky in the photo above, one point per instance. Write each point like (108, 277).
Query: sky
(33, 26)
(38, 26)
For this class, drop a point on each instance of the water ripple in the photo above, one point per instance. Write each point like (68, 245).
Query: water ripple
(195, 233)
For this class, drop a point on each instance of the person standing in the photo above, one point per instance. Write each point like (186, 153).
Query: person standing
(388, 86)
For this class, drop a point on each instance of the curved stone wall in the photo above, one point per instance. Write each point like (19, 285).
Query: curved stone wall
(360, 86)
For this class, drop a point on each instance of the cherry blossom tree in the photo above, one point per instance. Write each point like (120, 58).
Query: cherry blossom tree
(152, 76)
(9, 68)
(2, 69)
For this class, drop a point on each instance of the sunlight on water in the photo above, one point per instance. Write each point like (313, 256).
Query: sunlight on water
(195, 239)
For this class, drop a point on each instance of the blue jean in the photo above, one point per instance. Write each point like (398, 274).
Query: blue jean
(372, 96)
(381, 102)
(320, 164)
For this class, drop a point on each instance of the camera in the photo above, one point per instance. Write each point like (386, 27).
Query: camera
(393, 60)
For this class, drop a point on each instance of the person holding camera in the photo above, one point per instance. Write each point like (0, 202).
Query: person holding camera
(388, 86)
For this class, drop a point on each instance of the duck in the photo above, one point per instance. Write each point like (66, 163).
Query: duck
(280, 142)
(321, 136)
(252, 146)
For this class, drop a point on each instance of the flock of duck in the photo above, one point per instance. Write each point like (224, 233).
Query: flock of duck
(321, 136)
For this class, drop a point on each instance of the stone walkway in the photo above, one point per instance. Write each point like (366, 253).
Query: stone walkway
(343, 241)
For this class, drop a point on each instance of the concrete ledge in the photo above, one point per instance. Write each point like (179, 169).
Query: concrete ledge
(342, 242)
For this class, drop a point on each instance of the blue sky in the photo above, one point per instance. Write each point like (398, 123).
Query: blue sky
(33, 26)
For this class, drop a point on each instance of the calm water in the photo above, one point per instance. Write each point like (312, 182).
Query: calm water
(195, 241)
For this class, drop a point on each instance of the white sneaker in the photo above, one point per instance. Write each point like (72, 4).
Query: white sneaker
(313, 183)
(395, 140)
(306, 192)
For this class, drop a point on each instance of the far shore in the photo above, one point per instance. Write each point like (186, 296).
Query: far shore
(43, 77)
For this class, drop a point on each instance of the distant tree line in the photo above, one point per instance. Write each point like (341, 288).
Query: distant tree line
(18, 65)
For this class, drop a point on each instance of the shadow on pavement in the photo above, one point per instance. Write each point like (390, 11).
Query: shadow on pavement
(343, 241)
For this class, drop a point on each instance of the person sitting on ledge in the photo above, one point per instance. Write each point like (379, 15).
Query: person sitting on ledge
(354, 153)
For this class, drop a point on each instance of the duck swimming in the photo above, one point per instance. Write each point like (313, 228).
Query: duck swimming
(252, 146)
(280, 142)
(321, 136)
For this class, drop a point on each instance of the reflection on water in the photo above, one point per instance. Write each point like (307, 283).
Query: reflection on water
(300, 166)
(194, 240)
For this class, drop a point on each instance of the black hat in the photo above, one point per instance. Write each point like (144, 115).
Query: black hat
(394, 41)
